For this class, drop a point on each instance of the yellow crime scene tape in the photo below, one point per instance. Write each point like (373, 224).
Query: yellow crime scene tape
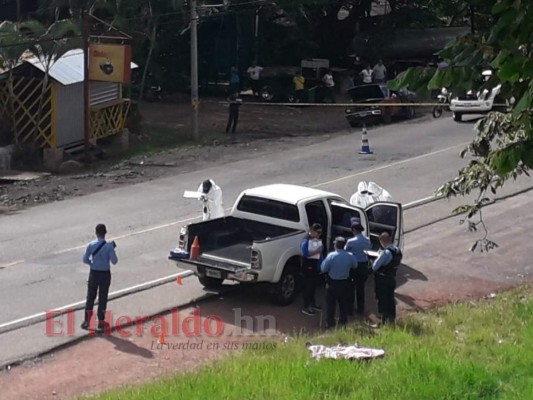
(346, 105)
(259, 103)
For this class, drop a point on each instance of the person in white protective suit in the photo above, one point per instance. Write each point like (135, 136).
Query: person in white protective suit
(211, 199)
(368, 193)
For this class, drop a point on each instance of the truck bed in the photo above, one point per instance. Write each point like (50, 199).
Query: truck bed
(229, 240)
(236, 253)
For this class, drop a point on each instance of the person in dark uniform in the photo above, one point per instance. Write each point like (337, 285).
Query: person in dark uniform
(357, 246)
(311, 251)
(99, 254)
(233, 119)
(384, 268)
(337, 266)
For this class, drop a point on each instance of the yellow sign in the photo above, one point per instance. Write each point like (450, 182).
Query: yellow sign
(110, 63)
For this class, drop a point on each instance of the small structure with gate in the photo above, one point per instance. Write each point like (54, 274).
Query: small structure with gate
(51, 115)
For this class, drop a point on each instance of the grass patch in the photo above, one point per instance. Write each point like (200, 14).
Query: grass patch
(156, 138)
(476, 350)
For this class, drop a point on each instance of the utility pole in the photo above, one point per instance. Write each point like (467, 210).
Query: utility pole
(256, 44)
(86, 112)
(195, 102)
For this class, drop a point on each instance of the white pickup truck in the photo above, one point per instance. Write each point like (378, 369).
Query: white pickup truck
(483, 102)
(259, 241)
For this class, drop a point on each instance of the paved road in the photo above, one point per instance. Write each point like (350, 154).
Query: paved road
(41, 247)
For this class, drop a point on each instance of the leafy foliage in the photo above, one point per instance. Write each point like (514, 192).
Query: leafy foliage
(503, 147)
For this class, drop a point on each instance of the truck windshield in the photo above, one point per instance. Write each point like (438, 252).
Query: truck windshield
(269, 208)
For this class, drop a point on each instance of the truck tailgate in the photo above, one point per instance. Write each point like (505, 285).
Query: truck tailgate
(230, 259)
(238, 254)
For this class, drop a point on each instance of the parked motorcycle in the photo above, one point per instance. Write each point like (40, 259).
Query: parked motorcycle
(153, 94)
(444, 101)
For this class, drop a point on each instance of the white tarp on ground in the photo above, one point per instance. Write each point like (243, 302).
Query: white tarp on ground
(339, 352)
(368, 193)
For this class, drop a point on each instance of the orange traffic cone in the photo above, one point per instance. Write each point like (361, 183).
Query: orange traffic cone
(161, 339)
(195, 249)
(179, 281)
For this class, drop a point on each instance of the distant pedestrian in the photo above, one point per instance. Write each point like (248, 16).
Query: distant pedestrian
(379, 72)
(337, 265)
(366, 75)
(254, 74)
(311, 250)
(357, 68)
(357, 247)
(350, 84)
(233, 117)
(99, 255)
(329, 86)
(299, 86)
(384, 268)
(234, 81)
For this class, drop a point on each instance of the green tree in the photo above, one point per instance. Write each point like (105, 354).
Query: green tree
(503, 147)
(12, 46)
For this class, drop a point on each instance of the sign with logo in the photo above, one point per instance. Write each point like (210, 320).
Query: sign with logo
(110, 63)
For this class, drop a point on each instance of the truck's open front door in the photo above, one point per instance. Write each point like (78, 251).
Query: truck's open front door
(341, 220)
(385, 217)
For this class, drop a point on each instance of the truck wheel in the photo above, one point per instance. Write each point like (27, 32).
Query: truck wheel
(387, 118)
(457, 117)
(210, 283)
(267, 93)
(354, 124)
(293, 98)
(284, 291)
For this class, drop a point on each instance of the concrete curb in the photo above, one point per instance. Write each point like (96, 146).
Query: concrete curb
(6, 365)
(21, 323)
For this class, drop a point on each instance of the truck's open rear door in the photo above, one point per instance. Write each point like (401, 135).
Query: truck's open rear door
(385, 217)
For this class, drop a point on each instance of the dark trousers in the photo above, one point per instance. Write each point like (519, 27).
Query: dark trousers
(99, 282)
(309, 281)
(329, 92)
(358, 280)
(233, 88)
(385, 286)
(255, 86)
(337, 293)
(233, 119)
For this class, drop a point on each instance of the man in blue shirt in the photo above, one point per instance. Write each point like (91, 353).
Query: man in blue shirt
(337, 266)
(311, 251)
(99, 254)
(357, 246)
(384, 268)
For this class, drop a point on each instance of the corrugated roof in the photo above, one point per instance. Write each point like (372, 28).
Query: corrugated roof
(68, 70)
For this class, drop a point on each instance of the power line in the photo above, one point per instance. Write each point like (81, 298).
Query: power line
(37, 41)
(206, 7)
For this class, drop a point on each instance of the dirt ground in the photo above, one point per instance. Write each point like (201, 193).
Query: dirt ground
(165, 134)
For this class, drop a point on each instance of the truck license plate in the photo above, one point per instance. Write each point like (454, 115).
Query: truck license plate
(213, 273)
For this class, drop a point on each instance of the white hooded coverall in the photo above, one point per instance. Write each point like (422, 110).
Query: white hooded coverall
(368, 193)
(213, 206)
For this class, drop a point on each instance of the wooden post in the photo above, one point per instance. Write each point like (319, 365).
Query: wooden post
(86, 111)
(194, 71)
